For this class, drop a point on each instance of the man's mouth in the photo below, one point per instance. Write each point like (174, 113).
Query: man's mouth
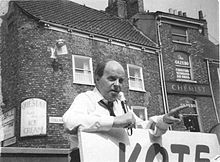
(115, 91)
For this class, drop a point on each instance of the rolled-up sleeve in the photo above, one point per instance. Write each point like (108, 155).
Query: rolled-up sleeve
(156, 126)
(160, 126)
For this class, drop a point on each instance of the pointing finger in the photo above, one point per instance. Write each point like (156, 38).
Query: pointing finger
(177, 109)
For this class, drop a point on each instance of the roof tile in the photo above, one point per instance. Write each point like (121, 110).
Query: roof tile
(71, 14)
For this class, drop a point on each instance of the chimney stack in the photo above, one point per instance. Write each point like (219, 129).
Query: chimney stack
(125, 8)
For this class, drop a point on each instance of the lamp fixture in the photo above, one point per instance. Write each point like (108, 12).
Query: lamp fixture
(59, 49)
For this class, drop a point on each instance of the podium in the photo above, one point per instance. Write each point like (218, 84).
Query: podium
(173, 146)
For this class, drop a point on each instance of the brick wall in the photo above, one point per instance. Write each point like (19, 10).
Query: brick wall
(207, 115)
(27, 73)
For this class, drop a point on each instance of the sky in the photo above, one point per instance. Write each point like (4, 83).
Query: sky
(210, 10)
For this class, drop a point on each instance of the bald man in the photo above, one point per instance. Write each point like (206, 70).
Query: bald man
(101, 109)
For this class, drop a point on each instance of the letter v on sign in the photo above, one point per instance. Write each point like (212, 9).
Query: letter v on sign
(134, 155)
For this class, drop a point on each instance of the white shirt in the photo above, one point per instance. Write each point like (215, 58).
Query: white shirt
(86, 113)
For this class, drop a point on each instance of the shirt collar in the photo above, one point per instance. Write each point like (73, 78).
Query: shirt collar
(99, 96)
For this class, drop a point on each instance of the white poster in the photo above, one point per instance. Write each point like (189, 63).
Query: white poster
(174, 146)
(33, 117)
(7, 125)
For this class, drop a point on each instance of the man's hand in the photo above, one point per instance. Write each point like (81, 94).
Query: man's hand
(124, 121)
(174, 116)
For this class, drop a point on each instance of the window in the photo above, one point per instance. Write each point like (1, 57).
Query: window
(190, 115)
(179, 34)
(82, 70)
(135, 78)
(183, 66)
(141, 112)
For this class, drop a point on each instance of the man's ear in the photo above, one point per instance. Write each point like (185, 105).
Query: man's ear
(97, 78)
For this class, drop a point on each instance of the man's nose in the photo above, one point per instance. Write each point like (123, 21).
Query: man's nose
(116, 82)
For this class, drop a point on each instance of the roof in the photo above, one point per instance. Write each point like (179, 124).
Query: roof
(80, 17)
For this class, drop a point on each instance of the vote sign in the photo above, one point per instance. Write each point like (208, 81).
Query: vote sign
(174, 146)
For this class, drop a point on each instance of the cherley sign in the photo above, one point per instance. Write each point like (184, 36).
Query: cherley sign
(173, 146)
(188, 88)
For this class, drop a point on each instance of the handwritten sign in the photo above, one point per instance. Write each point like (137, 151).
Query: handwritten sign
(33, 117)
(174, 146)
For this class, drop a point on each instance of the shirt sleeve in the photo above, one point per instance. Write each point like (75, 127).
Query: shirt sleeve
(78, 116)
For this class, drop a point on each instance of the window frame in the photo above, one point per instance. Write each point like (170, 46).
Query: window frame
(138, 108)
(193, 114)
(179, 34)
(75, 81)
(140, 78)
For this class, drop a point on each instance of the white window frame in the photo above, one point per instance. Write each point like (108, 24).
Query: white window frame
(90, 70)
(195, 114)
(140, 108)
(137, 78)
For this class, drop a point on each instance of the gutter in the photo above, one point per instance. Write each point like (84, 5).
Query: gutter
(71, 29)
(162, 75)
(180, 20)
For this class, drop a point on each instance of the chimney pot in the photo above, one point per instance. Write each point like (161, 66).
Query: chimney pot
(184, 14)
(201, 15)
(180, 13)
(170, 10)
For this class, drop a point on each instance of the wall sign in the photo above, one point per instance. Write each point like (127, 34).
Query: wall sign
(9, 141)
(188, 88)
(33, 117)
(182, 66)
(7, 125)
(56, 120)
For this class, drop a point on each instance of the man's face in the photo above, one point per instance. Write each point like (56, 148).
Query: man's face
(109, 85)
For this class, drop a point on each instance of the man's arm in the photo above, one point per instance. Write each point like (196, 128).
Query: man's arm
(157, 125)
(78, 116)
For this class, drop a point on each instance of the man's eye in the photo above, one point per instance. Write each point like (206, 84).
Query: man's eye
(121, 80)
(111, 78)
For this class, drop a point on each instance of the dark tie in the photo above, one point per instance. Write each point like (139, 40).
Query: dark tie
(109, 106)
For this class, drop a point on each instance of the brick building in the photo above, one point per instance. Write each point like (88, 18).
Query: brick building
(40, 88)
(40, 77)
(189, 61)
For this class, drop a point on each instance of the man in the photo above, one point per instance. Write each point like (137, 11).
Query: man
(90, 110)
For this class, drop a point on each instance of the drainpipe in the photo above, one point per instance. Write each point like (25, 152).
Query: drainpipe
(162, 75)
(210, 84)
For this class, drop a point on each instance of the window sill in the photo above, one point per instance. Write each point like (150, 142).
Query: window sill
(180, 42)
(89, 84)
(189, 81)
(138, 90)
